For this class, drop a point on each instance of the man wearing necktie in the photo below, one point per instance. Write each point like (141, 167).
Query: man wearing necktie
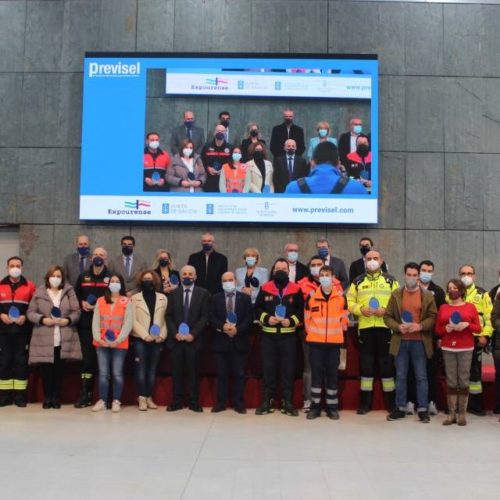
(288, 167)
(187, 316)
(128, 264)
(231, 316)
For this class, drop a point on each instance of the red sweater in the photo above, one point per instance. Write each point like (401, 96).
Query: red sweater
(457, 341)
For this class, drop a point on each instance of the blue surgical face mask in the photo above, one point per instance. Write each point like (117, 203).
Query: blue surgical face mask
(250, 261)
(325, 281)
(236, 156)
(114, 287)
(207, 247)
(323, 132)
(357, 129)
(187, 281)
(293, 256)
(229, 286)
(425, 277)
(323, 252)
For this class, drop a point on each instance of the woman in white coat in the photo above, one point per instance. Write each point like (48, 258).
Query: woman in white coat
(260, 169)
(250, 278)
(149, 332)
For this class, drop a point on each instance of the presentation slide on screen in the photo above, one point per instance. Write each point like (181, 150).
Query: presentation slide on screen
(115, 105)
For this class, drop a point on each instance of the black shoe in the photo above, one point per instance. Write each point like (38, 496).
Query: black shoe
(47, 404)
(266, 407)
(175, 407)
(396, 414)
(196, 408)
(6, 400)
(85, 398)
(218, 408)
(332, 414)
(313, 413)
(287, 408)
(479, 412)
(241, 410)
(423, 416)
(365, 402)
(20, 400)
(496, 410)
(56, 404)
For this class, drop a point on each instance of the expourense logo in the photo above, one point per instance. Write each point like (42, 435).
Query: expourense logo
(118, 69)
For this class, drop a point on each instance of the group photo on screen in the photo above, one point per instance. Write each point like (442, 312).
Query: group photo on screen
(239, 145)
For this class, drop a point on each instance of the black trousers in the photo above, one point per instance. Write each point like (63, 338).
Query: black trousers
(324, 359)
(52, 376)
(185, 361)
(89, 356)
(231, 363)
(278, 350)
(476, 386)
(14, 361)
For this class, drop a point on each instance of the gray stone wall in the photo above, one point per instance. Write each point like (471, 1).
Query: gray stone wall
(439, 119)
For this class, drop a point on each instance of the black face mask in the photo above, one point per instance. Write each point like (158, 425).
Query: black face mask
(258, 156)
(127, 251)
(254, 133)
(363, 150)
(164, 262)
(281, 279)
(288, 121)
(225, 123)
(364, 249)
(147, 286)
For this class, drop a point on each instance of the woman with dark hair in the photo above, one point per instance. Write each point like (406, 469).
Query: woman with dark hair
(456, 324)
(260, 169)
(234, 176)
(164, 267)
(54, 312)
(149, 332)
(111, 326)
(186, 174)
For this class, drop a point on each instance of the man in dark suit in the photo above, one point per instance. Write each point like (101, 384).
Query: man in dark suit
(187, 131)
(357, 267)
(296, 270)
(129, 264)
(325, 252)
(288, 167)
(231, 341)
(209, 264)
(187, 305)
(77, 262)
(230, 135)
(287, 130)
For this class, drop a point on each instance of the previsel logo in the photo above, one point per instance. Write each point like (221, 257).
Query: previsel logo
(118, 69)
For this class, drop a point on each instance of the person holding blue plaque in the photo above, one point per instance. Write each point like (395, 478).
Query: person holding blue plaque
(90, 285)
(214, 154)
(111, 325)
(250, 277)
(156, 164)
(234, 177)
(15, 330)
(54, 311)
(231, 315)
(260, 169)
(279, 308)
(410, 314)
(149, 333)
(164, 267)
(457, 324)
(187, 173)
(367, 298)
(188, 307)
(359, 162)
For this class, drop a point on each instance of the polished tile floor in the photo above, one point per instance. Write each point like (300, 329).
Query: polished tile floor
(76, 454)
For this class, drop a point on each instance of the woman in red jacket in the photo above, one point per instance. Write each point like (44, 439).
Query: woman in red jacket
(456, 324)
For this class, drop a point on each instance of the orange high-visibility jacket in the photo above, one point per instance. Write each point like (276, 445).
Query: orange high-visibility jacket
(112, 317)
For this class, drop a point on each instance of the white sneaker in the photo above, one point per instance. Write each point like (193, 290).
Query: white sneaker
(143, 406)
(115, 406)
(151, 404)
(410, 408)
(433, 408)
(307, 406)
(99, 406)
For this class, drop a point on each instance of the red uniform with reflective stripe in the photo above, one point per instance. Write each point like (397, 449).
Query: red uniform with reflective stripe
(19, 295)
(325, 318)
(158, 161)
(112, 317)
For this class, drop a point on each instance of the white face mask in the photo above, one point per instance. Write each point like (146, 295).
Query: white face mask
(325, 281)
(372, 265)
(228, 286)
(187, 152)
(154, 144)
(467, 280)
(315, 270)
(55, 281)
(250, 261)
(15, 272)
(115, 287)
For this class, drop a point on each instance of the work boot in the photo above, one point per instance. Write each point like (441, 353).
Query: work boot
(452, 407)
(85, 398)
(20, 399)
(266, 407)
(287, 408)
(463, 398)
(6, 398)
(365, 403)
(390, 401)
(313, 413)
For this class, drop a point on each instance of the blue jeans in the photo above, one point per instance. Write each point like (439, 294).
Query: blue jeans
(415, 350)
(110, 361)
(147, 355)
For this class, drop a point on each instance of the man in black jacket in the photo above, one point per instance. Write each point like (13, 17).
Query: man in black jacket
(209, 264)
(357, 267)
(231, 341)
(284, 131)
(296, 269)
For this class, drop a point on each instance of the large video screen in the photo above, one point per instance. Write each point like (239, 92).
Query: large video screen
(230, 138)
